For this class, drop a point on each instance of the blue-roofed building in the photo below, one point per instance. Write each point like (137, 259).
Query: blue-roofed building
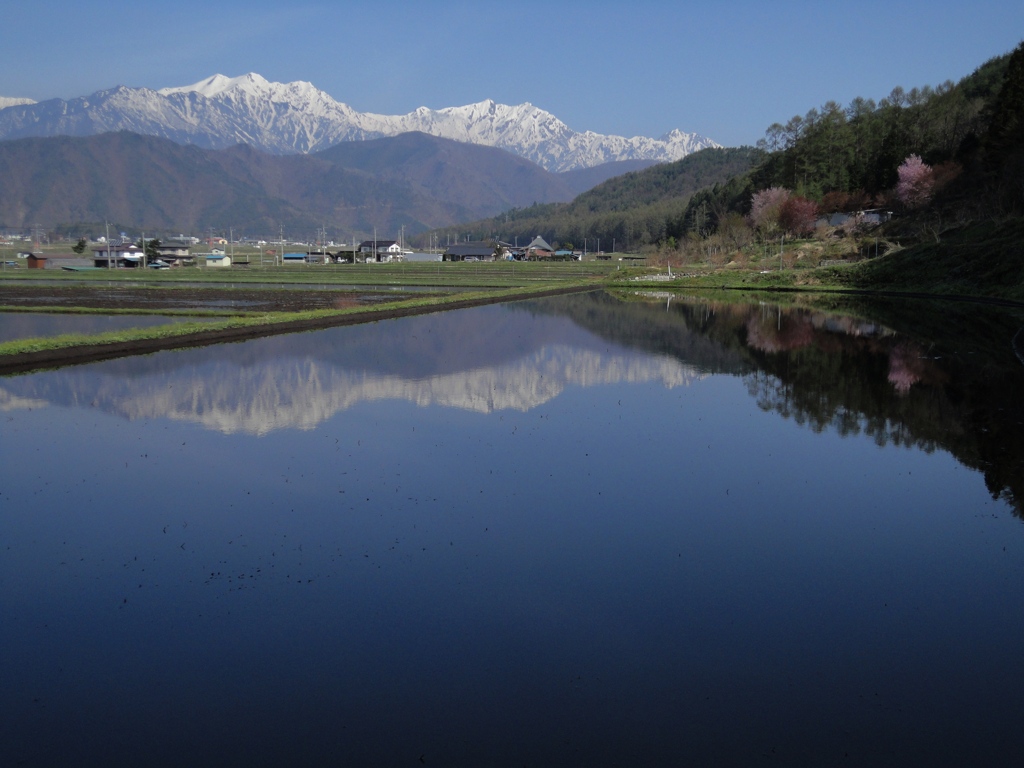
(218, 260)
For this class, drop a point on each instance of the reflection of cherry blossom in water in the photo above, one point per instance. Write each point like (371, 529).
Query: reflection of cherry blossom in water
(764, 333)
(905, 366)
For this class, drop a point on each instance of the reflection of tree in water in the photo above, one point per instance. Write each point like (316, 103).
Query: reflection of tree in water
(917, 375)
(767, 335)
(942, 390)
(906, 366)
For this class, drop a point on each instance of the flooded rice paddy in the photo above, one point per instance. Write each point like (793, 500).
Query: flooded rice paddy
(571, 531)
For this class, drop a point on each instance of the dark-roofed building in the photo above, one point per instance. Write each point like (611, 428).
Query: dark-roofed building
(58, 261)
(539, 249)
(346, 254)
(175, 252)
(478, 250)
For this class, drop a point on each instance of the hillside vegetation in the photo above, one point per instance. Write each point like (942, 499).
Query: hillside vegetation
(848, 159)
(633, 210)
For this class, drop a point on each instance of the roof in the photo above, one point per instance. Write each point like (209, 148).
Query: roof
(539, 244)
(116, 248)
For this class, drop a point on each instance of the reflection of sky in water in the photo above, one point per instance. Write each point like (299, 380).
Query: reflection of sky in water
(27, 325)
(629, 571)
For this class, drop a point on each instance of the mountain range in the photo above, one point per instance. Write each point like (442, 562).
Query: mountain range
(298, 118)
(412, 180)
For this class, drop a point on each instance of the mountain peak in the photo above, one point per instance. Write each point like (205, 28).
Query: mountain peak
(218, 84)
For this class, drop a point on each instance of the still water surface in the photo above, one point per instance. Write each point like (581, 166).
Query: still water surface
(576, 531)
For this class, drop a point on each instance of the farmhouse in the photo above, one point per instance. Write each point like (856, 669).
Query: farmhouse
(117, 253)
(539, 249)
(175, 253)
(386, 250)
(478, 250)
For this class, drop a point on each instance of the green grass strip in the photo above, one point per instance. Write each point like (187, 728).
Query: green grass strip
(51, 310)
(22, 346)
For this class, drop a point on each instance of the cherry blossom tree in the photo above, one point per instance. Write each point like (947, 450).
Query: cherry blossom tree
(916, 182)
(766, 207)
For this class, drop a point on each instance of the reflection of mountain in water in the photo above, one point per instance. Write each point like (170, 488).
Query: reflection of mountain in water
(912, 375)
(481, 360)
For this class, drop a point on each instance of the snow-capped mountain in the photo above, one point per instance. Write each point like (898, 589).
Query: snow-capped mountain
(287, 118)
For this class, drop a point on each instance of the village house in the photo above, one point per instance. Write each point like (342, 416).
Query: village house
(175, 252)
(475, 251)
(386, 250)
(539, 249)
(118, 253)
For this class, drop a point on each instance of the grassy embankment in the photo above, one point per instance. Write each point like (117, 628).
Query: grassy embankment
(983, 261)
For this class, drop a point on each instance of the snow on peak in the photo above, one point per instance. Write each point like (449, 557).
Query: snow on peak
(12, 101)
(218, 84)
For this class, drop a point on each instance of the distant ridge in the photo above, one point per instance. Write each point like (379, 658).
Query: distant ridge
(412, 180)
(298, 118)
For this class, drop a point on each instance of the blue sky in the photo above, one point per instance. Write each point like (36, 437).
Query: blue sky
(726, 70)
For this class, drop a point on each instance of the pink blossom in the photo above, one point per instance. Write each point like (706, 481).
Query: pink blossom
(916, 181)
(766, 206)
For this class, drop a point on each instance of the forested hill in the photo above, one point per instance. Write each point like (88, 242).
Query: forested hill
(633, 209)
(968, 135)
